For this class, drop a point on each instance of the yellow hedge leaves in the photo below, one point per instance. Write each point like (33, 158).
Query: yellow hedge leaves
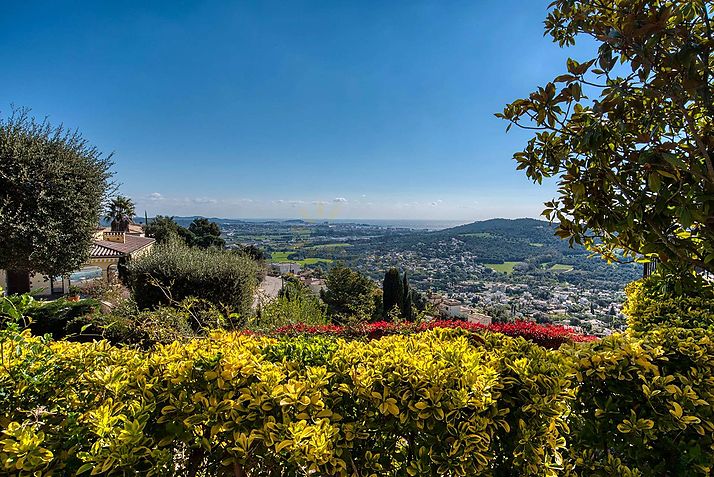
(438, 403)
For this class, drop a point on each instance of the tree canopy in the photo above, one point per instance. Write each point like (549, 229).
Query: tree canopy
(120, 209)
(200, 233)
(163, 228)
(349, 295)
(52, 187)
(392, 291)
(205, 234)
(629, 133)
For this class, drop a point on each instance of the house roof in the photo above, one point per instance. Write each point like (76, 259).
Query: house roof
(107, 249)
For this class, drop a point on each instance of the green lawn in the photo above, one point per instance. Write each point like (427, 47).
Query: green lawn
(505, 267)
(282, 257)
(560, 267)
(312, 261)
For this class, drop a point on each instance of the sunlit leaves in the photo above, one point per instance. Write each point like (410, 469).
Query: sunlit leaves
(635, 161)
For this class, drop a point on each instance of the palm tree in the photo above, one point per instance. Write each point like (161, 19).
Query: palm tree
(120, 209)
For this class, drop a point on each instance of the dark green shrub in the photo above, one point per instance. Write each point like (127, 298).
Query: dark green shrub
(173, 271)
(126, 324)
(53, 317)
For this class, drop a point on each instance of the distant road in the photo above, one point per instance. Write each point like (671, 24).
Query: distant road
(267, 290)
(271, 286)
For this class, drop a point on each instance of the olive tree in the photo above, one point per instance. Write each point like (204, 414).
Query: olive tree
(629, 132)
(52, 187)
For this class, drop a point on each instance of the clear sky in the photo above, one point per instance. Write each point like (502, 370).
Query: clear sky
(291, 109)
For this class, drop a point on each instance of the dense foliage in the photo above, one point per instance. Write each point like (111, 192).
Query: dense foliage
(629, 131)
(205, 234)
(350, 295)
(52, 184)
(118, 209)
(435, 403)
(392, 292)
(648, 306)
(164, 229)
(285, 310)
(645, 405)
(174, 271)
(200, 233)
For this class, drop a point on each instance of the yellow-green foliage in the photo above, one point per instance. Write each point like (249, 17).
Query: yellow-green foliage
(645, 406)
(428, 404)
(647, 308)
(438, 403)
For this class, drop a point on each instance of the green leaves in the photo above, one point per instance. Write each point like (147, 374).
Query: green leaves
(52, 185)
(638, 155)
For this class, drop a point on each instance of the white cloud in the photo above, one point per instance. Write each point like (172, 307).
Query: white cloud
(156, 196)
(292, 203)
(339, 199)
(436, 203)
(203, 200)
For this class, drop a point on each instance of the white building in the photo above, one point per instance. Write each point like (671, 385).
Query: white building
(283, 268)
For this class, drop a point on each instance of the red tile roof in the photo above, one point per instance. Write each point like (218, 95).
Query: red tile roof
(107, 249)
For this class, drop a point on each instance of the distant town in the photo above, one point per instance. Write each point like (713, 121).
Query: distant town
(491, 270)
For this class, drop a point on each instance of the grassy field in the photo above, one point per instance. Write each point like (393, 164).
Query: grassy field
(559, 267)
(505, 267)
(282, 257)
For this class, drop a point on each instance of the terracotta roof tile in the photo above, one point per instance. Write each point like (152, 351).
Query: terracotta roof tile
(132, 243)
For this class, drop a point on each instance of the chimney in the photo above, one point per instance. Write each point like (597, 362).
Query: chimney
(118, 237)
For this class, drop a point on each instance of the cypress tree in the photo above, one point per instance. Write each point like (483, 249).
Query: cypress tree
(406, 305)
(392, 290)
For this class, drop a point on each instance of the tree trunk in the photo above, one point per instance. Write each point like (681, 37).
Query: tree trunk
(18, 281)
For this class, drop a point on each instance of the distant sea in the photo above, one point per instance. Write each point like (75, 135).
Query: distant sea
(398, 223)
(403, 223)
(394, 223)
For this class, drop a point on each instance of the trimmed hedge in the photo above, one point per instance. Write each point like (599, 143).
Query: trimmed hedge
(173, 272)
(429, 404)
(444, 402)
(645, 406)
(548, 336)
(646, 309)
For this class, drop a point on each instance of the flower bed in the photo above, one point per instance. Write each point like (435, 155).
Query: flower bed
(549, 336)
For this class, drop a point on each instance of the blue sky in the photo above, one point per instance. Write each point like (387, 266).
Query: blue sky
(291, 109)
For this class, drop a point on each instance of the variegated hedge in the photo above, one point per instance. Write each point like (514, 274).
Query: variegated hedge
(437, 403)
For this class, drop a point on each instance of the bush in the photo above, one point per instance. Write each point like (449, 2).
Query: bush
(49, 317)
(283, 311)
(647, 307)
(428, 404)
(173, 271)
(443, 402)
(127, 325)
(100, 289)
(645, 406)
